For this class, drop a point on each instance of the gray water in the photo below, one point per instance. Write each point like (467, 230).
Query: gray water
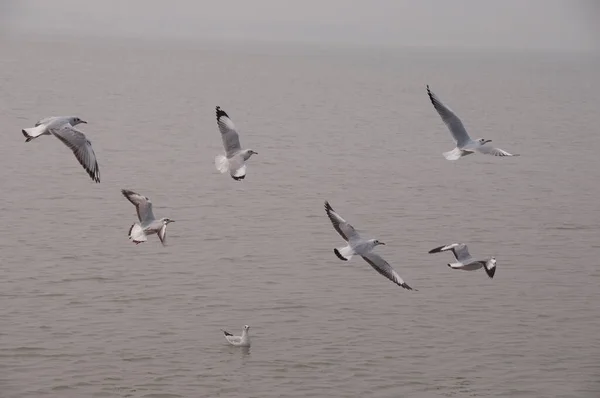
(85, 313)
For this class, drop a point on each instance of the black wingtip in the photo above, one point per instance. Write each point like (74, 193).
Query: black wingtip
(436, 250)
(239, 178)
(27, 136)
(220, 113)
(337, 253)
(404, 285)
(490, 272)
(226, 333)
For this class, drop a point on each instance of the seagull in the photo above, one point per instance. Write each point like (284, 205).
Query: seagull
(242, 341)
(362, 247)
(465, 261)
(464, 144)
(234, 160)
(148, 225)
(63, 128)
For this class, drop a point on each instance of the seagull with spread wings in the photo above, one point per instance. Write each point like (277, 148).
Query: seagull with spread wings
(464, 144)
(362, 247)
(147, 224)
(63, 128)
(234, 160)
(465, 261)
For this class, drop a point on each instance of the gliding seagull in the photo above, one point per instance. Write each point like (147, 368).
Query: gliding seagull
(465, 261)
(63, 128)
(362, 247)
(242, 341)
(235, 157)
(464, 144)
(148, 225)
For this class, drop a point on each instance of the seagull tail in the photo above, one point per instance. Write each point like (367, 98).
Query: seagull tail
(33, 132)
(454, 154)
(136, 234)
(221, 163)
(343, 253)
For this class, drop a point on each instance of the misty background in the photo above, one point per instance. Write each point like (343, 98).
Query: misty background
(509, 24)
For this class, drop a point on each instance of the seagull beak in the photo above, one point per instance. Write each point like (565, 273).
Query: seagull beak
(382, 243)
(83, 121)
(486, 141)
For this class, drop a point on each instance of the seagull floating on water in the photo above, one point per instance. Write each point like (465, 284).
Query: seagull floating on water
(242, 341)
(63, 128)
(465, 261)
(464, 144)
(148, 225)
(362, 247)
(234, 160)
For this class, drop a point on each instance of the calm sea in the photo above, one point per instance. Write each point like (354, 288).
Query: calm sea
(85, 313)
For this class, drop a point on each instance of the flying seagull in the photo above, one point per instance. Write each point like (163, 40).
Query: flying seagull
(148, 225)
(362, 247)
(234, 160)
(464, 144)
(63, 128)
(465, 261)
(242, 341)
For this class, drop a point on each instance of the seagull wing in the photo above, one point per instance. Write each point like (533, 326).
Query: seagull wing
(81, 147)
(142, 204)
(45, 120)
(162, 234)
(382, 266)
(231, 139)
(343, 228)
(488, 150)
(460, 251)
(454, 124)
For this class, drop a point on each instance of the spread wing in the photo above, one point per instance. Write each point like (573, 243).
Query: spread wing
(142, 204)
(81, 147)
(162, 234)
(345, 230)
(382, 266)
(488, 150)
(454, 124)
(231, 140)
(44, 121)
(460, 251)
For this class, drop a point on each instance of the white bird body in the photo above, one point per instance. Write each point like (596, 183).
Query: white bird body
(147, 224)
(43, 126)
(464, 144)
(464, 260)
(361, 247)
(63, 128)
(234, 160)
(241, 341)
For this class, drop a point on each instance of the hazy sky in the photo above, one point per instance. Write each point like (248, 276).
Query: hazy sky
(542, 24)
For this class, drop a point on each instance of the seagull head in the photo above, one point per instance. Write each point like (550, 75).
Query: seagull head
(483, 141)
(74, 121)
(246, 327)
(377, 242)
(248, 153)
(167, 221)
